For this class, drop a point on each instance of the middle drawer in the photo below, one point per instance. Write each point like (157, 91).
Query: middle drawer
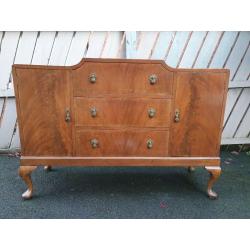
(118, 112)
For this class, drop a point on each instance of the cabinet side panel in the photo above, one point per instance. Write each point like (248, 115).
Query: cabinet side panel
(43, 97)
(200, 98)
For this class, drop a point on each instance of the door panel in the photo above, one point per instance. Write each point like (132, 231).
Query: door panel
(43, 97)
(200, 99)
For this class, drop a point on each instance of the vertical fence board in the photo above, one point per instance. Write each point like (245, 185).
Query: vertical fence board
(1, 36)
(162, 45)
(112, 45)
(177, 48)
(232, 96)
(7, 56)
(25, 50)
(244, 129)
(15, 142)
(146, 45)
(237, 114)
(223, 50)
(244, 69)
(96, 43)
(192, 49)
(207, 49)
(130, 44)
(43, 48)
(26, 47)
(8, 123)
(77, 48)
(60, 48)
(238, 52)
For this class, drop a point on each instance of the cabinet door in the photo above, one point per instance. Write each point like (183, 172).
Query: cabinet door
(199, 99)
(43, 96)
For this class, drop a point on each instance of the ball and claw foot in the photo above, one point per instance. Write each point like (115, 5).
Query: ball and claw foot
(47, 168)
(214, 175)
(25, 174)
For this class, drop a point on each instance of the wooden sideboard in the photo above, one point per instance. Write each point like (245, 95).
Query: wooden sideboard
(119, 112)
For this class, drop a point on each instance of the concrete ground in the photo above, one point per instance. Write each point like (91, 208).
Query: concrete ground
(120, 192)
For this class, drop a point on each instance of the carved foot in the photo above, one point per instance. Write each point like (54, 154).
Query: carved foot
(47, 168)
(191, 169)
(215, 172)
(25, 174)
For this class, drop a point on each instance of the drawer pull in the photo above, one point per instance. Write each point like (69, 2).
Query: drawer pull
(150, 143)
(93, 112)
(67, 115)
(94, 143)
(177, 115)
(92, 78)
(151, 112)
(152, 79)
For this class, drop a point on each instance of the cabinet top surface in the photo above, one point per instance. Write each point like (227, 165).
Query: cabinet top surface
(109, 60)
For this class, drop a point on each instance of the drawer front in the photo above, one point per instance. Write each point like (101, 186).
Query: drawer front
(127, 142)
(122, 112)
(98, 79)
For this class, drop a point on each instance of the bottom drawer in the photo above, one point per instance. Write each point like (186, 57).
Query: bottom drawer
(127, 142)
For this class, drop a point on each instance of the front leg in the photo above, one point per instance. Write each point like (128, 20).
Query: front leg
(215, 172)
(25, 174)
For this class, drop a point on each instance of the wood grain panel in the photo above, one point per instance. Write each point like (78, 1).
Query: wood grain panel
(132, 78)
(120, 161)
(122, 142)
(122, 112)
(200, 99)
(43, 96)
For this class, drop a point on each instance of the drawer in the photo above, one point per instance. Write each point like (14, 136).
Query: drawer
(122, 112)
(98, 79)
(126, 142)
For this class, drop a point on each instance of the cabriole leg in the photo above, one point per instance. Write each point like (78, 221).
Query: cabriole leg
(25, 174)
(214, 172)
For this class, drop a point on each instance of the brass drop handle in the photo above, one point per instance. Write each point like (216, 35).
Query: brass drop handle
(67, 115)
(94, 143)
(92, 78)
(150, 143)
(151, 112)
(177, 115)
(93, 112)
(152, 79)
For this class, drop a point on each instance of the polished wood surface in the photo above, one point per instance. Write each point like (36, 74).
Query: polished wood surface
(122, 78)
(59, 127)
(120, 112)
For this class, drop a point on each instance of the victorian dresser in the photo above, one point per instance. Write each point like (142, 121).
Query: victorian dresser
(119, 112)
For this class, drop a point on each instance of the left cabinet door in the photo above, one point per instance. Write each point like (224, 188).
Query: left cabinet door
(43, 102)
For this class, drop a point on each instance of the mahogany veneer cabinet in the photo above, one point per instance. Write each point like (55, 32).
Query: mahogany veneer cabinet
(119, 112)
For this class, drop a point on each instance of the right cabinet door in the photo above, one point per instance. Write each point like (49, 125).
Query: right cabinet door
(198, 113)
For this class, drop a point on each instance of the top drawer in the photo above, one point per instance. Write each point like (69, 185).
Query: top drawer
(121, 78)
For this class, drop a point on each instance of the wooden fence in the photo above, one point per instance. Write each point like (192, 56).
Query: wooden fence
(179, 49)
